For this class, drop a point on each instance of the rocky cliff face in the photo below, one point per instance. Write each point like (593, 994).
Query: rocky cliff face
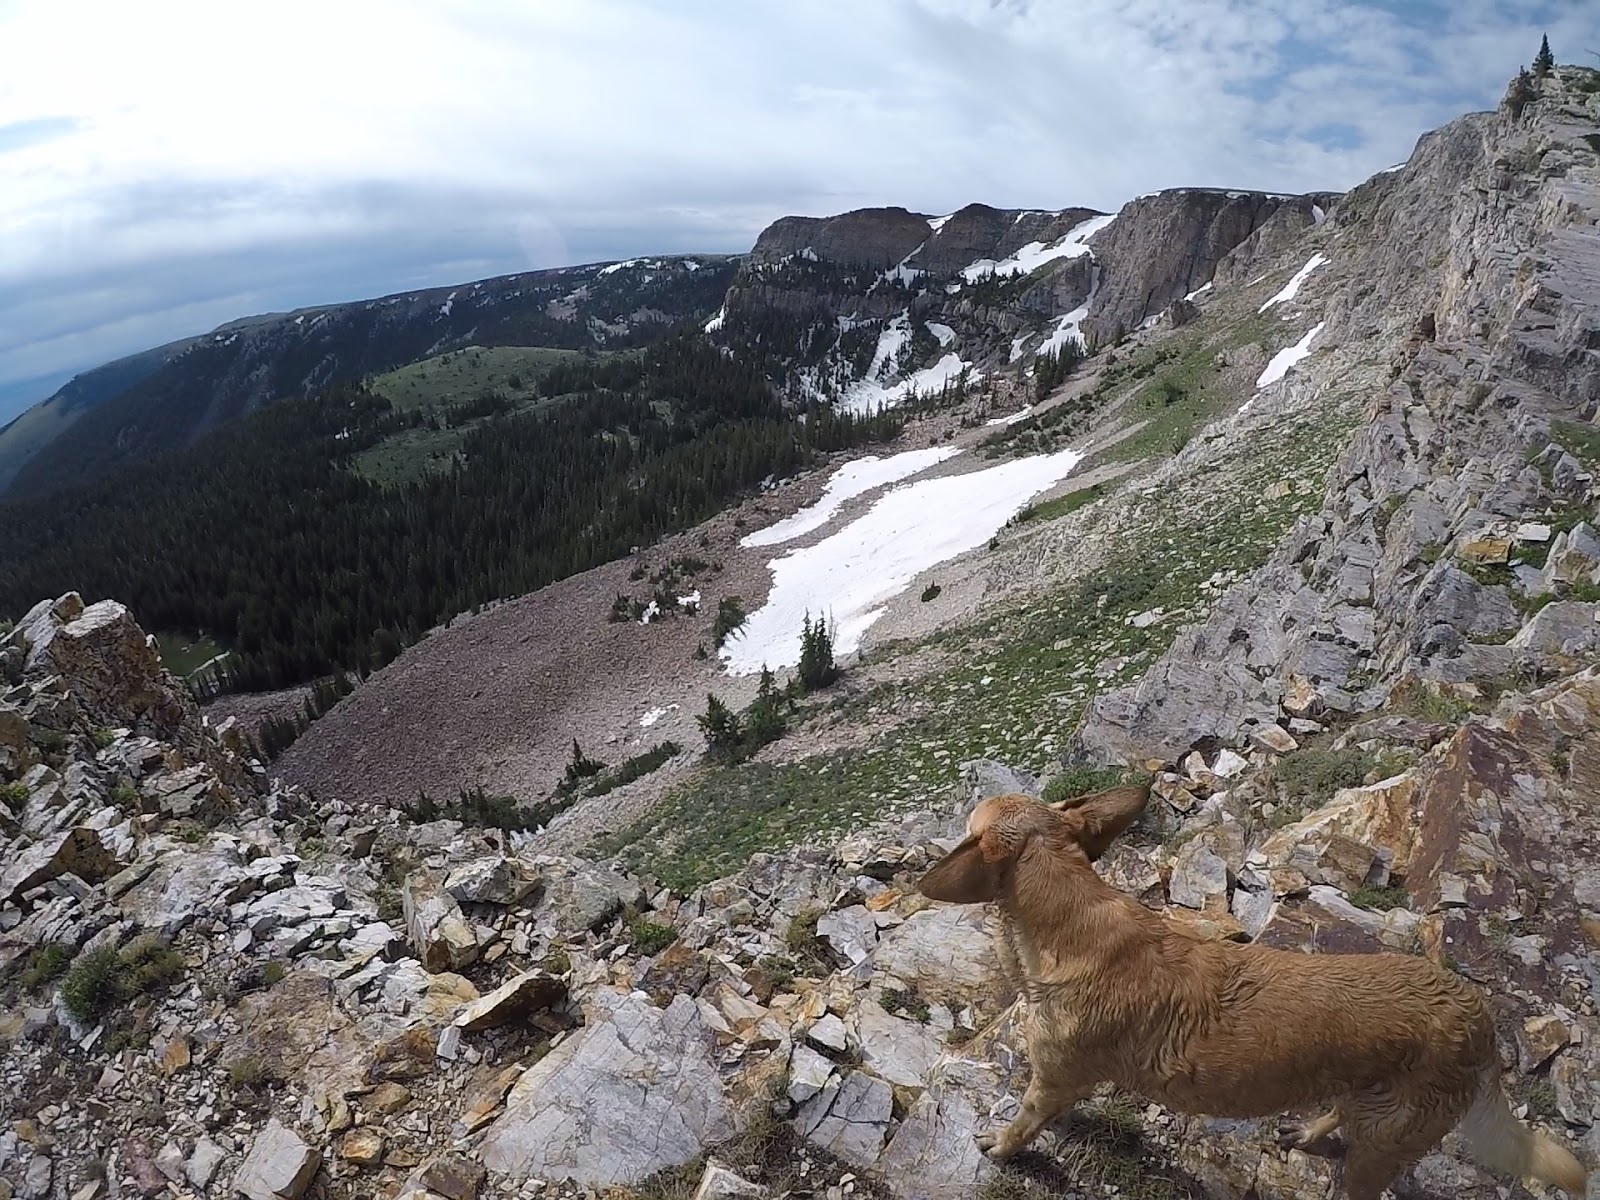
(873, 305)
(1454, 549)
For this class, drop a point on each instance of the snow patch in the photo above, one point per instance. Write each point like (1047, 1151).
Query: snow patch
(1317, 215)
(689, 264)
(716, 322)
(1284, 360)
(632, 262)
(1066, 331)
(449, 303)
(1016, 347)
(1072, 244)
(944, 333)
(653, 715)
(937, 223)
(1012, 419)
(1292, 288)
(851, 480)
(850, 576)
(1199, 291)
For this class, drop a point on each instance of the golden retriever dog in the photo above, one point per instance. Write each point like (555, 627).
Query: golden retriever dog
(1397, 1051)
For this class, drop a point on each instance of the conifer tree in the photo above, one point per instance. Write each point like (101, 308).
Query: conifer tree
(1544, 62)
(721, 726)
(817, 668)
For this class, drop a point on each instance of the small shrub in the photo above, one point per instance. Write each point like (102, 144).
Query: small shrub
(1316, 774)
(125, 796)
(1429, 704)
(247, 1073)
(90, 985)
(49, 741)
(391, 909)
(931, 592)
(557, 962)
(651, 937)
(13, 795)
(730, 616)
(103, 738)
(1380, 899)
(272, 972)
(1081, 781)
(45, 964)
(581, 766)
(907, 1003)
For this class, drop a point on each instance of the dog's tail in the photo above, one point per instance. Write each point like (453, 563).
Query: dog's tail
(1498, 1142)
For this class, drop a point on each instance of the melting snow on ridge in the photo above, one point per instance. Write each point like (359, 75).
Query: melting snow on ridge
(1036, 254)
(852, 574)
(1293, 286)
(1284, 360)
(1066, 330)
(937, 223)
(449, 303)
(632, 262)
(715, 323)
(1199, 291)
(848, 481)
(1012, 419)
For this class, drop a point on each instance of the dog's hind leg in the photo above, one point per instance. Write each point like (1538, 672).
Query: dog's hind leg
(1314, 1137)
(1041, 1104)
(1387, 1134)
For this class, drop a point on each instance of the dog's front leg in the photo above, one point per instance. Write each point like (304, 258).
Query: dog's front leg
(1041, 1104)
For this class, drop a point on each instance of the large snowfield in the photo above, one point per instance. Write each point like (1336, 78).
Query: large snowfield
(850, 576)
(849, 481)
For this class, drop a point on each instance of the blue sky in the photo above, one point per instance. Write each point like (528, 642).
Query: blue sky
(187, 163)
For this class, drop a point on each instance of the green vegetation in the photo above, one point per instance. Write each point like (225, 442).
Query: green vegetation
(276, 734)
(101, 979)
(730, 615)
(272, 972)
(1313, 776)
(581, 767)
(1380, 899)
(1082, 781)
(261, 535)
(438, 384)
(906, 1003)
(474, 806)
(42, 964)
(185, 656)
(817, 669)
(1104, 1152)
(633, 768)
(650, 937)
(1017, 680)
(13, 795)
(1543, 62)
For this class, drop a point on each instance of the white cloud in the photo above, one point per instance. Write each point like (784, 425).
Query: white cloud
(181, 130)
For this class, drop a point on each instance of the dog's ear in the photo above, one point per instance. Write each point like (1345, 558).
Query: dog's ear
(964, 876)
(1095, 821)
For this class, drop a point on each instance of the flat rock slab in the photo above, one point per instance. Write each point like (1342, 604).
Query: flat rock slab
(278, 1167)
(635, 1092)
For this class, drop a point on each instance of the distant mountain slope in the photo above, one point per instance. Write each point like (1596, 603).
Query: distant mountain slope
(880, 305)
(168, 398)
(36, 428)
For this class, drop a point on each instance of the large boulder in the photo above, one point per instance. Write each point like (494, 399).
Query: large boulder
(635, 1092)
(279, 1166)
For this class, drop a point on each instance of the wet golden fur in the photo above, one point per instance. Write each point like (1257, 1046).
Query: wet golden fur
(1398, 1050)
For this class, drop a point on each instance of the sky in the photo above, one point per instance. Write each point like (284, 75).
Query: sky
(168, 166)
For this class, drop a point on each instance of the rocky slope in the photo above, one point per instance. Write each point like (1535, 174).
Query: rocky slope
(217, 987)
(171, 396)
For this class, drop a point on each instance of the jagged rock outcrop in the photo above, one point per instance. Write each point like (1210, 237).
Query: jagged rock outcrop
(1425, 561)
(1162, 247)
(865, 237)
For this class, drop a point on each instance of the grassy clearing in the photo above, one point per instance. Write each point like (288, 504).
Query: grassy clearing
(183, 654)
(1021, 679)
(438, 383)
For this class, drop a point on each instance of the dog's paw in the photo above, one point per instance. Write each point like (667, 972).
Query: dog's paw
(993, 1145)
(1294, 1135)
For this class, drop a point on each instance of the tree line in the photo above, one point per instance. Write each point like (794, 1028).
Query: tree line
(262, 535)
